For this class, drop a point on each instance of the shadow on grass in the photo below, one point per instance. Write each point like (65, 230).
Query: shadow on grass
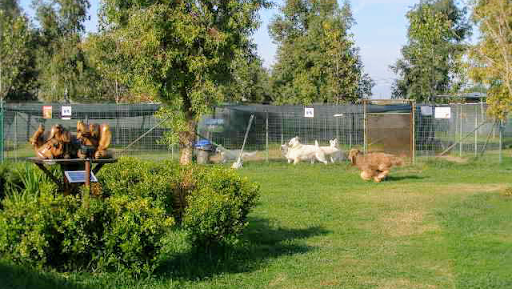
(401, 178)
(260, 244)
(13, 276)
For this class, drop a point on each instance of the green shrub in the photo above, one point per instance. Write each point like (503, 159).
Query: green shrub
(133, 237)
(9, 180)
(135, 178)
(22, 180)
(217, 209)
(147, 210)
(211, 203)
(29, 228)
(63, 232)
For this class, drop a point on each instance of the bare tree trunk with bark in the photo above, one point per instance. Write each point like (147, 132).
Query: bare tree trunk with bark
(187, 139)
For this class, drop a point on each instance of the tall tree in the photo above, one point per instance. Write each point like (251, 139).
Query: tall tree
(17, 60)
(181, 52)
(492, 56)
(61, 60)
(317, 60)
(102, 52)
(10, 8)
(251, 81)
(432, 58)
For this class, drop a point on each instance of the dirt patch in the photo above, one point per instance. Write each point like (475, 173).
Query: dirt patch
(403, 284)
(414, 194)
(468, 188)
(406, 223)
(408, 209)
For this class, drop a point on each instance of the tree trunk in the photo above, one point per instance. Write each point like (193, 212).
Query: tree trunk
(187, 139)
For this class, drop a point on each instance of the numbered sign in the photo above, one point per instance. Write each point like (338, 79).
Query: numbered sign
(65, 112)
(309, 112)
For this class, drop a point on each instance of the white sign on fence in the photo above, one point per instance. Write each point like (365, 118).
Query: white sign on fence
(65, 112)
(309, 112)
(443, 112)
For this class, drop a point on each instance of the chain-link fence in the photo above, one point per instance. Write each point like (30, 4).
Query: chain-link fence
(415, 130)
(462, 130)
(127, 122)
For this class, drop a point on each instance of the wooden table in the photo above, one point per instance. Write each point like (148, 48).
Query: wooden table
(71, 165)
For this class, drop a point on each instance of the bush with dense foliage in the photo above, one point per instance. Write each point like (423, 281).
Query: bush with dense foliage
(218, 206)
(65, 233)
(133, 218)
(210, 203)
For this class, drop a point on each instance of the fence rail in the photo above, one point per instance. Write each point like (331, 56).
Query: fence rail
(457, 129)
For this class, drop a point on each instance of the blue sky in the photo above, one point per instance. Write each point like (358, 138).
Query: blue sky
(380, 32)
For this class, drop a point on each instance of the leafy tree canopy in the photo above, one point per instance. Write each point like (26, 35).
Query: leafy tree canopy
(181, 52)
(492, 56)
(431, 61)
(317, 60)
(17, 71)
(61, 61)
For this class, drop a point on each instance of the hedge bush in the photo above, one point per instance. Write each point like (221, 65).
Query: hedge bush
(142, 207)
(211, 203)
(62, 232)
(218, 206)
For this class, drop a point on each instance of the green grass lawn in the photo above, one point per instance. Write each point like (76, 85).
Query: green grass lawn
(432, 225)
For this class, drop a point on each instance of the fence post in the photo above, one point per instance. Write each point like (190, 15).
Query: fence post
(16, 136)
(501, 140)
(460, 130)
(365, 145)
(476, 131)
(413, 128)
(266, 134)
(1, 130)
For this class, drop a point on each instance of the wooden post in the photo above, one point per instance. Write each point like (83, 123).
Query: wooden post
(88, 173)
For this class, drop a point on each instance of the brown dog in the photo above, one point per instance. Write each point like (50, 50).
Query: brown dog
(373, 165)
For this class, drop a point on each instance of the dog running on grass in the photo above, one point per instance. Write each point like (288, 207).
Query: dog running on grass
(374, 165)
(333, 152)
(296, 152)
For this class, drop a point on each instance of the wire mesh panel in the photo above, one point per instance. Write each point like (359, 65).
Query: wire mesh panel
(389, 127)
(274, 126)
(462, 130)
(457, 129)
(127, 123)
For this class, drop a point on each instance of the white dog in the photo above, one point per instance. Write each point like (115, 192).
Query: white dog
(333, 151)
(232, 154)
(297, 152)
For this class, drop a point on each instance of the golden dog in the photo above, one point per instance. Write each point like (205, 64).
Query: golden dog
(374, 165)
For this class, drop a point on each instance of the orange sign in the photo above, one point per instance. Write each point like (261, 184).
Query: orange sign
(47, 111)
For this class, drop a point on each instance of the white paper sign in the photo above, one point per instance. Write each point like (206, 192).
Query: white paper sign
(443, 112)
(65, 112)
(309, 112)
